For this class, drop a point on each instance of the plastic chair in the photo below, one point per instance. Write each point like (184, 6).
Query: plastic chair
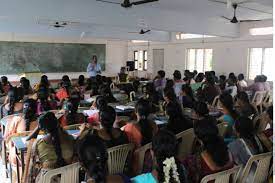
(117, 157)
(260, 123)
(215, 102)
(112, 86)
(257, 100)
(227, 176)
(222, 128)
(132, 96)
(68, 174)
(141, 154)
(260, 163)
(267, 100)
(186, 142)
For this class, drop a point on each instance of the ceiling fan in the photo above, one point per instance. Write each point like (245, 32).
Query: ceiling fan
(59, 24)
(127, 3)
(234, 20)
(142, 31)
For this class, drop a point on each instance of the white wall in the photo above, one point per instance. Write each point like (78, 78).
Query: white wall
(116, 52)
(229, 55)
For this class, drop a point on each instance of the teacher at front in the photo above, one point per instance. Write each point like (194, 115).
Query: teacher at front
(93, 68)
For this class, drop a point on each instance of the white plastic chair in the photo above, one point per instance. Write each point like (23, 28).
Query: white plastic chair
(112, 86)
(132, 96)
(141, 154)
(267, 100)
(68, 174)
(215, 102)
(260, 163)
(186, 144)
(117, 157)
(227, 176)
(257, 100)
(222, 128)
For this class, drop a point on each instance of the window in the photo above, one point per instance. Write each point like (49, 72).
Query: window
(260, 62)
(261, 31)
(141, 60)
(180, 36)
(199, 59)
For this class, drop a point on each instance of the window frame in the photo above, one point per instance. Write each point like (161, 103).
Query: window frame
(204, 58)
(137, 55)
(136, 59)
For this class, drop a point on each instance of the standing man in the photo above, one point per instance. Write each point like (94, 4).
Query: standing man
(93, 68)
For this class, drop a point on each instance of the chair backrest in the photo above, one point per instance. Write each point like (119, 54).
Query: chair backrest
(267, 99)
(260, 123)
(227, 176)
(222, 128)
(141, 154)
(258, 97)
(258, 167)
(68, 174)
(112, 86)
(117, 157)
(132, 96)
(215, 101)
(186, 142)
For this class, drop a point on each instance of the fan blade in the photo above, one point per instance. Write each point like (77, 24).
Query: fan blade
(252, 9)
(133, 32)
(250, 20)
(144, 32)
(243, 2)
(143, 2)
(107, 1)
(216, 1)
(226, 18)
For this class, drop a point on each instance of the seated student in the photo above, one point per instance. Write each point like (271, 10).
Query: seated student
(43, 102)
(99, 103)
(169, 84)
(222, 82)
(25, 84)
(44, 82)
(122, 76)
(81, 85)
(21, 123)
(166, 167)
(200, 111)
(152, 96)
(64, 92)
(141, 133)
(198, 82)
(54, 150)
(110, 136)
(13, 103)
(5, 84)
(178, 82)
(187, 98)
(176, 121)
(266, 84)
(231, 87)
(160, 81)
(247, 143)
(93, 157)
(105, 91)
(214, 155)
(229, 113)
(209, 91)
(71, 115)
(243, 106)
(258, 85)
(241, 82)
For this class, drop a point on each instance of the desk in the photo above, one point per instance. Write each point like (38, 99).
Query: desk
(21, 148)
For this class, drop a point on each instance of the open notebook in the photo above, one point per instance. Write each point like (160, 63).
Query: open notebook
(90, 112)
(124, 107)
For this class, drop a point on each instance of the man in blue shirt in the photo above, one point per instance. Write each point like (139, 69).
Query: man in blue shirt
(94, 68)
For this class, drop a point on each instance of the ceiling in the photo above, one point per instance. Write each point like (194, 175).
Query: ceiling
(90, 18)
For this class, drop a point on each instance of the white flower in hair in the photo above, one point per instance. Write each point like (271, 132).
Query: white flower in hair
(170, 164)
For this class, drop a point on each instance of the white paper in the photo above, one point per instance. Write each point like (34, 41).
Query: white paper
(90, 112)
(123, 107)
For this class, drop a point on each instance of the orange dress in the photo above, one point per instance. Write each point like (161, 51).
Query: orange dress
(62, 94)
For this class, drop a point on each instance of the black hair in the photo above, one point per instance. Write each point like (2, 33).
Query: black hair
(101, 102)
(244, 126)
(29, 112)
(210, 79)
(264, 78)
(143, 110)
(136, 84)
(42, 95)
(169, 83)
(270, 112)
(161, 73)
(222, 77)
(177, 75)
(199, 77)
(207, 132)
(243, 97)
(49, 123)
(93, 156)
(195, 72)
(164, 145)
(94, 58)
(227, 101)
(201, 108)
(213, 73)
(25, 84)
(81, 80)
(4, 80)
(12, 99)
(107, 118)
(98, 79)
(170, 94)
(72, 107)
(231, 74)
(240, 77)
(105, 91)
(44, 81)
(188, 90)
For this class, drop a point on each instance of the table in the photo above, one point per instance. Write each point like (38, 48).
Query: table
(20, 149)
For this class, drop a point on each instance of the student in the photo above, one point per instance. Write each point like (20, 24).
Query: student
(176, 121)
(231, 87)
(55, 149)
(169, 96)
(241, 82)
(266, 84)
(200, 110)
(43, 102)
(213, 155)
(152, 96)
(105, 91)
(167, 167)
(13, 105)
(93, 157)
(44, 82)
(99, 104)
(160, 81)
(5, 84)
(187, 98)
(222, 82)
(178, 82)
(110, 136)
(122, 76)
(21, 123)
(81, 85)
(209, 91)
(71, 115)
(142, 132)
(258, 85)
(229, 114)
(25, 84)
(243, 106)
(198, 82)
(64, 92)
(247, 143)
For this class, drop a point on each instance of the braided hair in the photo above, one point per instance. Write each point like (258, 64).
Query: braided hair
(29, 112)
(43, 95)
(12, 99)
(107, 118)
(72, 107)
(227, 101)
(93, 156)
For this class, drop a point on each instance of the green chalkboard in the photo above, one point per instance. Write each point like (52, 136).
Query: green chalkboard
(20, 57)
